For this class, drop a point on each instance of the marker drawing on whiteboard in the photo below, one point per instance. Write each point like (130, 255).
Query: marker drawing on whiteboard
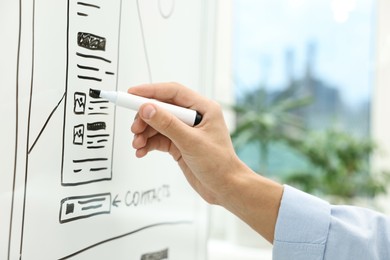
(88, 5)
(141, 25)
(188, 116)
(159, 255)
(130, 233)
(166, 12)
(16, 142)
(92, 57)
(91, 41)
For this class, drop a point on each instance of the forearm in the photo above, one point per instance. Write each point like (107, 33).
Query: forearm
(255, 200)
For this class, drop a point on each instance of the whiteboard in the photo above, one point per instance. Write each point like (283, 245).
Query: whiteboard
(70, 185)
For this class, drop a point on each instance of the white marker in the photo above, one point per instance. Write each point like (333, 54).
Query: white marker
(188, 116)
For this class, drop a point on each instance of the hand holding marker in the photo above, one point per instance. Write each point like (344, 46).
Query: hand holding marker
(188, 116)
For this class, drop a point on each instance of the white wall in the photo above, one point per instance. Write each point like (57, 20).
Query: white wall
(221, 91)
(225, 226)
(381, 104)
(381, 95)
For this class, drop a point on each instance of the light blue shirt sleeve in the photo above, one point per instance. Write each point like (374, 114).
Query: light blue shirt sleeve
(309, 228)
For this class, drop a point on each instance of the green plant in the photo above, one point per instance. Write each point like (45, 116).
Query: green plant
(339, 166)
(263, 119)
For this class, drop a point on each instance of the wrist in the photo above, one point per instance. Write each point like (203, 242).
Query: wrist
(255, 199)
(234, 175)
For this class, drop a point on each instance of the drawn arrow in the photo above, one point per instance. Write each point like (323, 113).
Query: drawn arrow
(115, 201)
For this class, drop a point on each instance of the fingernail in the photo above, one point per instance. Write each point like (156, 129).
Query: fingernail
(148, 112)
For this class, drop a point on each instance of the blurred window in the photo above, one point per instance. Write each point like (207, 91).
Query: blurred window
(317, 48)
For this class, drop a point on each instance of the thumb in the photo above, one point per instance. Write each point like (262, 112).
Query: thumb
(164, 122)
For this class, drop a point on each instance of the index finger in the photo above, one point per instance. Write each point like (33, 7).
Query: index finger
(173, 93)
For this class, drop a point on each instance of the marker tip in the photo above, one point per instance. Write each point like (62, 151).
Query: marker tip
(94, 93)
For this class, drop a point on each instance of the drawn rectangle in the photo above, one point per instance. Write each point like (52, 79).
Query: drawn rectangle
(159, 255)
(79, 103)
(92, 50)
(91, 41)
(79, 207)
